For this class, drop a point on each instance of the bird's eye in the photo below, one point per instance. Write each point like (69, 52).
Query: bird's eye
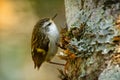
(49, 24)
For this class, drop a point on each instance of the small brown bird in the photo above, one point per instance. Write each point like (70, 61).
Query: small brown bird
(44, 41)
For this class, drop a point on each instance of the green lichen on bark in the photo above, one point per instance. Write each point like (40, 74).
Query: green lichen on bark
(98, 34)
(92, 34)
(107, 74)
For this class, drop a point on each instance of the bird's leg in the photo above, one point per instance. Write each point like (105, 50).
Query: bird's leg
(56, 63)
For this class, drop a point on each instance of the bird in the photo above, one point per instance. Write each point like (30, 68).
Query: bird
(45, 36)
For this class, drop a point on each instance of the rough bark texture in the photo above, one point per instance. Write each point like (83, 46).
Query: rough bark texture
(93, 36)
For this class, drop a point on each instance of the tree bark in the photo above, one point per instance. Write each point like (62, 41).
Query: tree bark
(93, 37)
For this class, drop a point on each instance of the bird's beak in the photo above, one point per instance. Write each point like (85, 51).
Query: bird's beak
(54, 16)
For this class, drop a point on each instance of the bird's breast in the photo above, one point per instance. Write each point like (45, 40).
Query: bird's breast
(53, 36)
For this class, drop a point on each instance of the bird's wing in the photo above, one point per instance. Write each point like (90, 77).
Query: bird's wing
(39, 46)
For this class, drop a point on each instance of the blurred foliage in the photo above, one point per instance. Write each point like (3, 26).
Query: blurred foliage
(46, 7)
(17, 19)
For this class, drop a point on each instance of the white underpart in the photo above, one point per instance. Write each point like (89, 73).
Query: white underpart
(53, 36)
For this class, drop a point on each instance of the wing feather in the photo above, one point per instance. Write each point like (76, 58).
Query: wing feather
(39, 46)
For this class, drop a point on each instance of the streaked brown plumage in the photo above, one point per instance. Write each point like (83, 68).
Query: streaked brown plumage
(43, 44)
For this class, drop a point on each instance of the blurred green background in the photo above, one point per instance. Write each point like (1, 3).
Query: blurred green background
(17, 18)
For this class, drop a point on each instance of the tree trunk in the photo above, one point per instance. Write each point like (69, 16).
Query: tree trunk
(92, 41)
